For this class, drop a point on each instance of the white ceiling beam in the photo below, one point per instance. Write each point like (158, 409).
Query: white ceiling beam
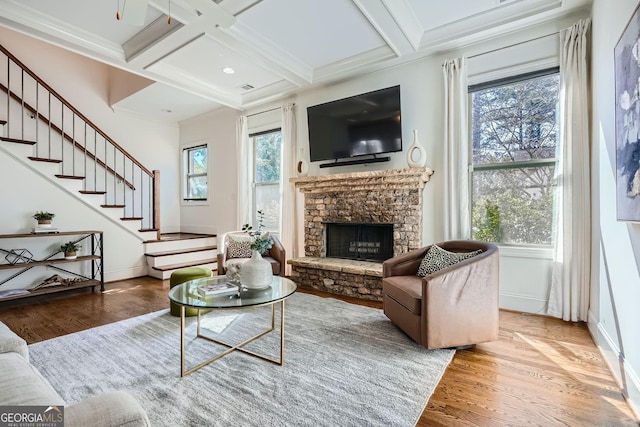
(405, 17)
(382, 20)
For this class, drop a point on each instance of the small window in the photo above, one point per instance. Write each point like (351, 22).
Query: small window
(514, 137)
(195, 173)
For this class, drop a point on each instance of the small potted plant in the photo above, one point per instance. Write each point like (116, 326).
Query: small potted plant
(70, 250)
(256, 273)
(44, 218)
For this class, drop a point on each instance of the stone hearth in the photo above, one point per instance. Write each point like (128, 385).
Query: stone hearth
(375, 197)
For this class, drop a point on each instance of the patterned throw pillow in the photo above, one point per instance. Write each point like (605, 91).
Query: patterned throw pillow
(438, 258)
(239, 246)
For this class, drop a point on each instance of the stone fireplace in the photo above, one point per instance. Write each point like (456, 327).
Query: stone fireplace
(350, 208)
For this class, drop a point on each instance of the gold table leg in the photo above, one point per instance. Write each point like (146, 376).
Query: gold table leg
(231, 348)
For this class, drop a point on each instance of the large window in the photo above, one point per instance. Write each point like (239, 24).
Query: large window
(195, 173)
(267, 149)
(514, 134)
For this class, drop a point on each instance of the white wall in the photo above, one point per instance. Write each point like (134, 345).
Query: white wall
(615, 292)
(86, 85)
(218, 130)
(24, 192)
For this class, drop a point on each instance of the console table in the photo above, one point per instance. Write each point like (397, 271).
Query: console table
(94, 240)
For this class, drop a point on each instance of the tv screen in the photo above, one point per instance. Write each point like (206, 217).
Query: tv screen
(357, 126)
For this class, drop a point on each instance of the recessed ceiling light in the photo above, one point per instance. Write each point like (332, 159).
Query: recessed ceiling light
(165, 110)
(228, 70)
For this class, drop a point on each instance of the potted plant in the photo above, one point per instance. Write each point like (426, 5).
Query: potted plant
(70, 250)
(44, 218)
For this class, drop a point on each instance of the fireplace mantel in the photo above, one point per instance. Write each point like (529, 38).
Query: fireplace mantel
(393, 179)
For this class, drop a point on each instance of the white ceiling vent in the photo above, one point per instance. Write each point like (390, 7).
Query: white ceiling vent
(246, 86)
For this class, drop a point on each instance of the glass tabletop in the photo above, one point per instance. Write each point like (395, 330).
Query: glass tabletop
(190, 293)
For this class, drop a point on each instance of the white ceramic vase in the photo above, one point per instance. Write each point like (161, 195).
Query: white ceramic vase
(256, 273)
(416, 155)
(302, 166)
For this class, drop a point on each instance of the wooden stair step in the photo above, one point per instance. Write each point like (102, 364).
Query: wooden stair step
(112, 206)
(131, 218)
(69, 176)
(166, 237)
(142, 230)
(44, 159)
(185, 264)
(181, 251)
(17, 141)
(92, 192)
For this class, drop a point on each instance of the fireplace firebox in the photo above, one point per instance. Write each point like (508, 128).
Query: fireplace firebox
(359, 241)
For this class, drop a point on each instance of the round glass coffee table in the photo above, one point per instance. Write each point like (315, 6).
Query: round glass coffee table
(190, 295)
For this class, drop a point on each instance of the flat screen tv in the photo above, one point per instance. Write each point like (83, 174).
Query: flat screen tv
(360, 125)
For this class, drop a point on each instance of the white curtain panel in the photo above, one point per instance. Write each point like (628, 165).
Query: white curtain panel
(244, 172)
(457, 211)
(569, 293)
(288, 215)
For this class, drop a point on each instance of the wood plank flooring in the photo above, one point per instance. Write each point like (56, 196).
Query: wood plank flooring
(541, 371)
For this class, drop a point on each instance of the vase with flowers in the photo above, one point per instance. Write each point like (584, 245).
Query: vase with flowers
(256, 273)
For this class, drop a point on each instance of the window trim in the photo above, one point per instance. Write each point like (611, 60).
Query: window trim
(184, 201)
(513, 249)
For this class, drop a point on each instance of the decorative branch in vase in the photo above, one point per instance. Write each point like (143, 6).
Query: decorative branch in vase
(256, 273)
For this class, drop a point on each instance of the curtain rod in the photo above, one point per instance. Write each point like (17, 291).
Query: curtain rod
(513, 45)
(266, 111)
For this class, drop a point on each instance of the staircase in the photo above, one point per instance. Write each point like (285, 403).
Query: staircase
(39, 128)
(178, 250)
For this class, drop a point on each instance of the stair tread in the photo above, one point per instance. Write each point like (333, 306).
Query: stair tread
(142, 230)
(112, 206)
(131, 218)
(44, 159)
(181, 251)
(17, 141)
(185, 264)
(170, 237)
(92, 192)
(69, 176)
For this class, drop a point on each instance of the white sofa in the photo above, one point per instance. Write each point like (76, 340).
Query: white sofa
(22, 384)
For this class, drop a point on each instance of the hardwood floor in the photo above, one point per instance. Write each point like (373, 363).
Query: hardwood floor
(541, 371)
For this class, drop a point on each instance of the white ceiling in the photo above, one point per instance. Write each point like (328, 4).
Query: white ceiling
(276, 46)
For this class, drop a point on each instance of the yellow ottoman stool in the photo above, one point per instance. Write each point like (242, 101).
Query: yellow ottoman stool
(184, 275)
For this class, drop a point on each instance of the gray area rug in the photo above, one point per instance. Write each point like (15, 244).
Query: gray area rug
(345, 365)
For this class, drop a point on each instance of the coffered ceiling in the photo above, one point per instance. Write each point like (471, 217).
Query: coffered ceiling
(273, 47)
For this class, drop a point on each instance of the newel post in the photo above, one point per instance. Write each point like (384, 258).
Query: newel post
(156, 202)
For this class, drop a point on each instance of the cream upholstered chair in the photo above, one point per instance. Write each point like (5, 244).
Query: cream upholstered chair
(228, 256)
(455, 306)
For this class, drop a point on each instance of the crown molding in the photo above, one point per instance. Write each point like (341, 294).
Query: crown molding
(404, 15)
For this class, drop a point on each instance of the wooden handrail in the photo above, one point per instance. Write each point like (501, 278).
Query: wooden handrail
(66, 136)
(73, 109)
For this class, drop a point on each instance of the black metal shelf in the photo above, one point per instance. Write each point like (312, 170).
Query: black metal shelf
(95, 258)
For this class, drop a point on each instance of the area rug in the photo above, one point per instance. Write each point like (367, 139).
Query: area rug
(345, 365)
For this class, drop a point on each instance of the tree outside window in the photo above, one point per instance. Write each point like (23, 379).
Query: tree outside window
(195, 167)
(514, 135)
(267, 173)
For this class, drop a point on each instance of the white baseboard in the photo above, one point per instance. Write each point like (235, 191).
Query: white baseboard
(523, 303)
(626, 377)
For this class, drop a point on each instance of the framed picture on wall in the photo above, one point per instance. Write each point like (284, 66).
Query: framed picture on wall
(627, 124)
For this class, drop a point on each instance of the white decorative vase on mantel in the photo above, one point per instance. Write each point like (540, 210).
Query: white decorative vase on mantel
(256, 273)
(416, 150)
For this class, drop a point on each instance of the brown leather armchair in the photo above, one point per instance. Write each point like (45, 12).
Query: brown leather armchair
(276, 255)
(456, 306)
